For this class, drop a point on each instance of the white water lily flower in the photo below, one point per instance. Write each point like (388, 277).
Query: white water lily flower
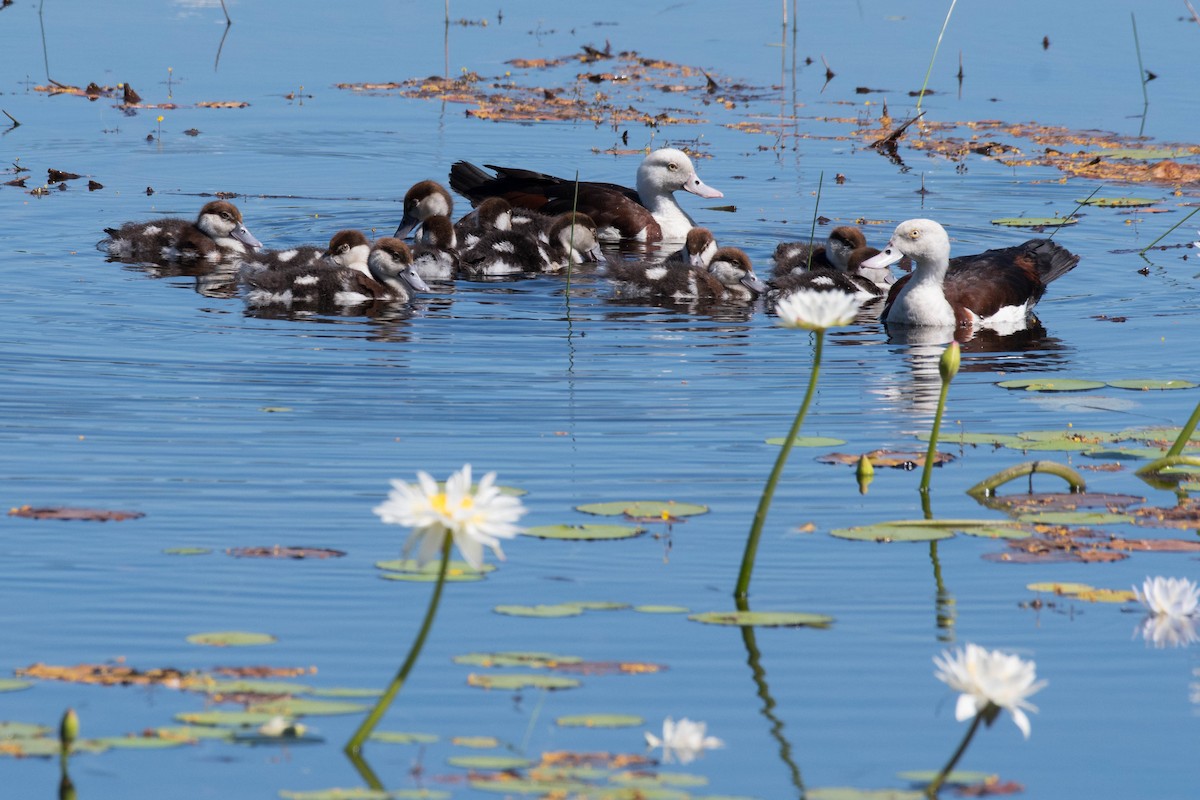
(1169, 597)
(989, 681)
(474, 516)
(683, 740)
(817, 311)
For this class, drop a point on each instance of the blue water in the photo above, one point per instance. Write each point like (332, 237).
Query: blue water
(129, 389)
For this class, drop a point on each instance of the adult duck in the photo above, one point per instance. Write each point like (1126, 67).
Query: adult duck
(648, 214)
(995, 289)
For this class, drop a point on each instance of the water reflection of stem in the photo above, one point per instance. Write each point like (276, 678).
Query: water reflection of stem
(754, 661)
(932, 789)
(381, 706)
(364, 771)
(944, 604)
(764, 502)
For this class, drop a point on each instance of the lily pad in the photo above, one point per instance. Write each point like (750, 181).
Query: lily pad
(535, 660)
(1070, 433)
(764, 619)
(1117, 202)
(477, 742)
(997, 532)
(584, 533)
(1051, 384)
(545, 611)
(13, 685)
(346, 691)
(294, 707)
(400, 737)
(643, 509)
(489, 762)
(225, 719)
(253, 687)
(194, 732)
(1157, 434)
(1083, 591)
(958, 777)
(652, 609)
(22, 730)
(807, 441)
(1145, 385)
(141, 742)
(598, 605)
(231, 639)
(649, 782)
(600, 721)
(363, 793)
(1143, 153)
(516, 682)
(409, 569)
(893, 533)
(1034, 222)
(187, 551)
(852, 793)
(1074, 518)
(948, 438)
(532, 786)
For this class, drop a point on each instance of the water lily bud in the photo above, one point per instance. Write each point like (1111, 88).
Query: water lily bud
(865, 474)
(948, 364)
(68, 729)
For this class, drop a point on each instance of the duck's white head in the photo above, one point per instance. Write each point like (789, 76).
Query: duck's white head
(922, 240)
(666, 170)
(349, 249)
(391, 263)
(221, 220)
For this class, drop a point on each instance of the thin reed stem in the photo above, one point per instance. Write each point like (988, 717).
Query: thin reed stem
(764, 502)
(381, 706)
(941, 33)
(1173, 227)
(1075, 211)
(813, 230)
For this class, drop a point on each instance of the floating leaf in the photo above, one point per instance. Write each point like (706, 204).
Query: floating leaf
(1051, 384)
(253, 687)
(231, 638)
(1117, 202)
(13, 685)
(958, 777)
(547, 788)
(1074, 518)
(346, 691)
(1034, 222)
(1145, 385)
(885, 532)
(1083, 591)
(1054, 587)
(584, 532)
(650, 781)
(1128, 453)
(193, 732)
(187, 551)
(362, 793)
(22, 730)
(398, 737)
(489, 762)
(535, 660)
(764, 619)
(643, 509)
(598, 605)
(851, 793)
(478, 742)
(1094, 437)
(276, 551)
(545, 611)
(140, 742)
(408, 569)
(807, 441)
(1060, 501)
(516, 682)
(1143, 153)
(294, 707)
(225, 719)
(996, 532)
(897, 459)
(1168, 435)
(948, 438)
(652, 609)
(74, 514)
(600, 721)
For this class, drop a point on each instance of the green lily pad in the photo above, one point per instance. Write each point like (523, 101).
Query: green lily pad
(1062, 445)
(535, 660)
(13, 685)
(948, 438)
(807, 441)
(1156, 434)
(893, 533)
(22, 730)
(584, 533)
(363, 793)
(1051, 384)
(192, 732)
(852, 793)
(47, 747)
(294, 707)
(187, 551)
(764, 619)
(545, 611)
(1117, 202)
(400, 737)
(225, 719)
(477, 742)
(1060, 587)
(426, 577)
(489, 762)
(253, 687)
(653, 609)
(643, 509)
(1083, 591)
(600, 721)
(598, 605)
(515, 682)
(231, 639)
(648, 782)
(275, 409)
(1070, 433)
(140, 742)
(1034, 222)
(1075, 518)
(997, 532)
(1145, 385)
(1143, 153)
(557, 788)
(346, 691)
(1129, 453)
(408, 569)
(958, 777)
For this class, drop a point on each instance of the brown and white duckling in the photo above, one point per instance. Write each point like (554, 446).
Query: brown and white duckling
(435, 256)
(572, 240)
(217, 232)
(833, 254)
(672, 281)
(733, 269)
(698, 249)
(822, 279)
(493, 214)
(348, 248)
(500, 253)
(319, 288)
(648, 214)
(423, 200)
(995, 289)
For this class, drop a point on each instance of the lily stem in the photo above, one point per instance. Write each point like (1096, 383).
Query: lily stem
(936, 784)
(764, 502)
(381, 706)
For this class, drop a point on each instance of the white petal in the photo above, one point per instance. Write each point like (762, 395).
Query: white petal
(966, 707)
(1022, 721)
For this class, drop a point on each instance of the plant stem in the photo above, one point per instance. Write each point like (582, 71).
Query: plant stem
(1137, 46)
(356, 741)
(988, 485)
(933, 58)
(1173, 227)
(1081, 204)
(948, 365)
(813, 230)
(764, 502)
(1185, 434)
(932, 789)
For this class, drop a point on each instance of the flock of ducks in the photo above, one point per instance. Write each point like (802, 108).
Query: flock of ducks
(526, 222)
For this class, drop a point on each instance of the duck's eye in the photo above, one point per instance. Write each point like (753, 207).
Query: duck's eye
(673, 166)
(225, 215)
(914, 234)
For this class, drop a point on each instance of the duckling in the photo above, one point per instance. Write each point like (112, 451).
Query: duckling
(733, 269)
(348, 248)
(572, 241)
(423, 200)
(217, 232)
(698, 249)
(435, 257)
(833, 254)
(671, 281)
(493, 214)
(499, 253)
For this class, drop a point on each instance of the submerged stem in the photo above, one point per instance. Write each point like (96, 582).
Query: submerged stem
(381, 706)
(764, 502)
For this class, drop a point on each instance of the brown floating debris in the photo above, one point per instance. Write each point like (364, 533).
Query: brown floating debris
(58, 176)
(73, 514)
(94, 186)
(132, 98)
(16, 182)
(191, 132)
(277, 551)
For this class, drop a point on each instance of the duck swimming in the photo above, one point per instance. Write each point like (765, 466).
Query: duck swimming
(995, 289)
(217, 232)
(423, 200)
(648, 214)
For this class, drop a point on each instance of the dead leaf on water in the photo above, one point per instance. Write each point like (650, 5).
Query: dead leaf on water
(74, 514)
